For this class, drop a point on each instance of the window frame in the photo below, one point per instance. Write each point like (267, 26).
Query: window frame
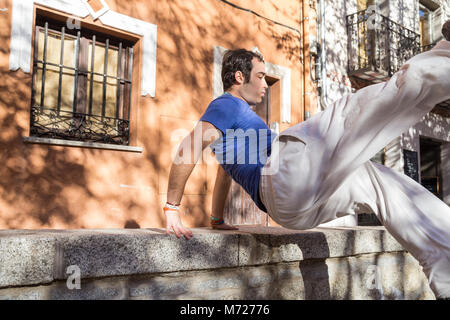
(82, 103)
(430, 11)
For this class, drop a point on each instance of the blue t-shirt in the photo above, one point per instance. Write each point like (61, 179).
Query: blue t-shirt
(246, 142)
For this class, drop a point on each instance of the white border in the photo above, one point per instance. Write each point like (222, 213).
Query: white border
(96, 14)
(94, 145)
(281, 72)
(22, 29)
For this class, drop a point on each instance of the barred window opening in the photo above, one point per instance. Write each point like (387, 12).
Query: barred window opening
(81, 84)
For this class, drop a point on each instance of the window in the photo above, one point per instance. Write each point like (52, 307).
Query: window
(425, 30)
(81, 84)
(430, 23)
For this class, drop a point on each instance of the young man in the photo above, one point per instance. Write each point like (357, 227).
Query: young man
(319, 170)
(243, 77)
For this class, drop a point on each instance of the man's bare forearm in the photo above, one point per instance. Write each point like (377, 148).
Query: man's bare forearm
(179, 174)
(181, 169)
(189, 152)
(220, 193)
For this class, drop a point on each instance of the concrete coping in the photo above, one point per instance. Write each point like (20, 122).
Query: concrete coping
(33, 257)
(82, 144)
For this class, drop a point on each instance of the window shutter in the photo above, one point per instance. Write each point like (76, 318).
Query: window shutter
(436, 26)
(361, 4)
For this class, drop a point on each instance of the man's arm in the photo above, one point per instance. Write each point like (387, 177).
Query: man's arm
(220, 193)
(189, 152)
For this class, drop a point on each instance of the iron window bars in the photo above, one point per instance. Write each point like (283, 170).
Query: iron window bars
(84, 121)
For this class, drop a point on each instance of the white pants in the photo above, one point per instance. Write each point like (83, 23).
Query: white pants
(319, 170)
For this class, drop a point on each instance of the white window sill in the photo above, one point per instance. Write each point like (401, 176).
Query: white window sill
(69, 143)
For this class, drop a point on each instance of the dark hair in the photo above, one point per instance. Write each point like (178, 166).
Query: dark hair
(446, 30)
(237, 60)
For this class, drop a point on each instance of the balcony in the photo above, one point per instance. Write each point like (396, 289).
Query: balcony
(377, 50)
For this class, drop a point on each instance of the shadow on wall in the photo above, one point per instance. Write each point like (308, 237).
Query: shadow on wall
(43, 185)
(191, 61)
(40, 184)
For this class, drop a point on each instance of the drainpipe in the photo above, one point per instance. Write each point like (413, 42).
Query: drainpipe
(304, 54)
(310, 49)
(323, 83)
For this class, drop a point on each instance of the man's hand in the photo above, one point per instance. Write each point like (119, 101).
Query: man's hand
(173, 222)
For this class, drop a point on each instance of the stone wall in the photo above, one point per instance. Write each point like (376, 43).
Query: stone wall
(251, 263)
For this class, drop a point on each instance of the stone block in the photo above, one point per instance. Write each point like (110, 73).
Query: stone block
(26, 259)
(385, 276)
(113, 253)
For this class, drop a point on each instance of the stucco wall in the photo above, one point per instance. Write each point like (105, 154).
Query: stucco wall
(405, 13)
(337, 82)
(446, 6)
(66, 187)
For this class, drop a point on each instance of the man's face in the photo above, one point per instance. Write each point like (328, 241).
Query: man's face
(254, 90)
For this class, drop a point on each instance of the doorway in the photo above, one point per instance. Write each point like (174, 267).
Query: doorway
(430, 166)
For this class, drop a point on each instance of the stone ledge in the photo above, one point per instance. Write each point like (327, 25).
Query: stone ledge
(81, 144)
(374, 276)
(33, 257)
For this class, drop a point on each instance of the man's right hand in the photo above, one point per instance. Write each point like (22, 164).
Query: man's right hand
(173, 222)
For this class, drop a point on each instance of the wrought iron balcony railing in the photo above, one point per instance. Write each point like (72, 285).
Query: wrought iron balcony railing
(377, 50)
(427, 47)
(51, 123)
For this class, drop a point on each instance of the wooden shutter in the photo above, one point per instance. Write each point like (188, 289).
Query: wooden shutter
(436, 25)
(361, 4)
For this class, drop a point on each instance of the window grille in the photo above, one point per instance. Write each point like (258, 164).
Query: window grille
(81, 84)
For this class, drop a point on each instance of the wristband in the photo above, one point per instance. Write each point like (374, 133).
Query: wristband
(171, 206)
(216, 221)
(169, 209)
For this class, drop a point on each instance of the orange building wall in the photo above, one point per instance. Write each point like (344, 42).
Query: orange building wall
(44, 186)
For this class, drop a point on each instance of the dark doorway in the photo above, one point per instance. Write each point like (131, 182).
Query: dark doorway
(430, 166)
(262, 109)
